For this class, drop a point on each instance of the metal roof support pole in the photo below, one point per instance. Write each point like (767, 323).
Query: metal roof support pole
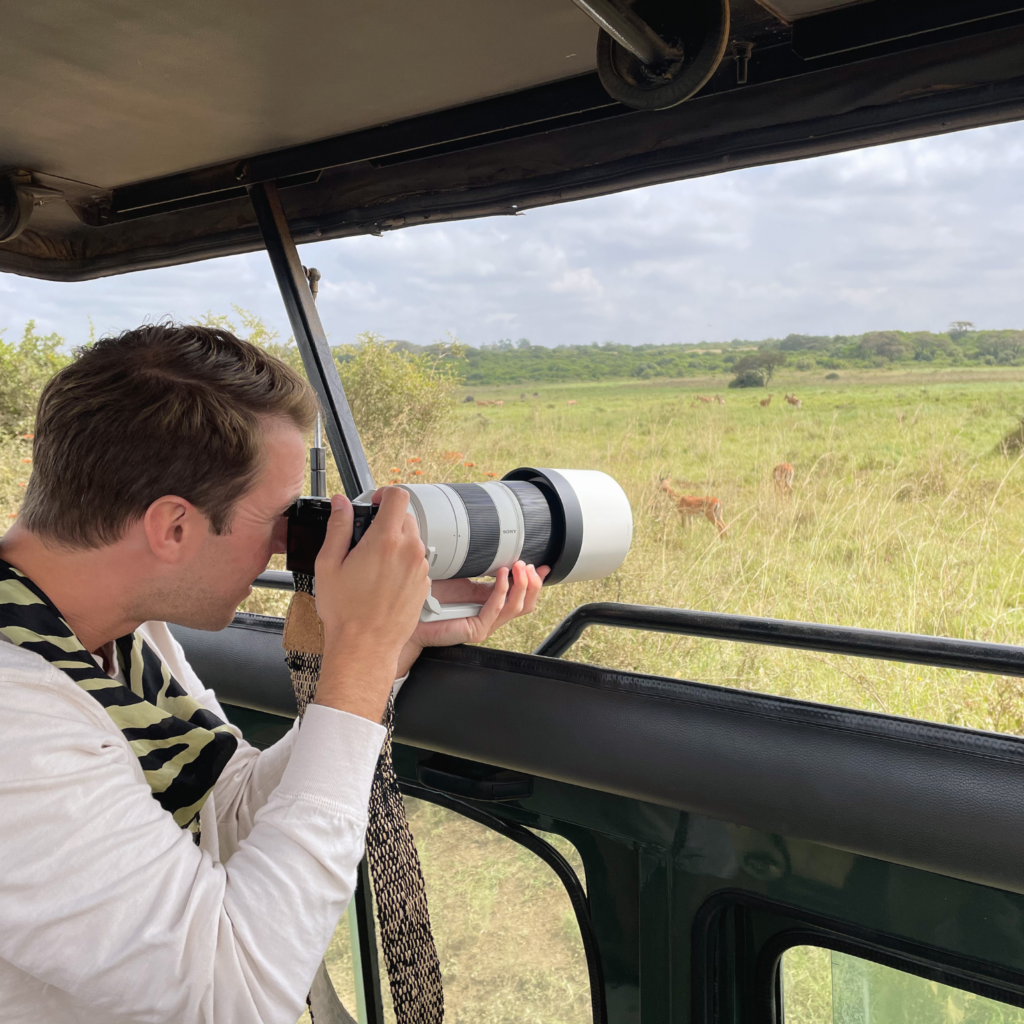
(355, 477)
(311, 339)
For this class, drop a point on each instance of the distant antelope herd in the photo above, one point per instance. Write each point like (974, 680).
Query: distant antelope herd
(690, 506)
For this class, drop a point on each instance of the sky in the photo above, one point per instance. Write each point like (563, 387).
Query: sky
(908, 236)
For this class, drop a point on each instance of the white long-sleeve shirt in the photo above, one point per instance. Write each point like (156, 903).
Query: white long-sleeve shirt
(109, 912)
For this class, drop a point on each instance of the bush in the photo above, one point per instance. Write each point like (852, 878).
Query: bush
(757, 369)
(832, 376)
(401, 402)
(747, 379)
(24, 368)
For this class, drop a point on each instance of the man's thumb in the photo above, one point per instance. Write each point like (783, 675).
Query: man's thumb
(339, 533)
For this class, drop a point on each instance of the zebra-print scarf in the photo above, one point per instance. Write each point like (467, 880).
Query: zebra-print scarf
(181, 746)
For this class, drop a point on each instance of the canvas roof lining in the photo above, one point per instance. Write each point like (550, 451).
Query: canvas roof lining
(790, 108)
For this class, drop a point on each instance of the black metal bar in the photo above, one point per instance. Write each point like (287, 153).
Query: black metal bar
(311, 339)
(561, 867)
(275, 579)
(625, 26)
(942, 652)
(362, 901)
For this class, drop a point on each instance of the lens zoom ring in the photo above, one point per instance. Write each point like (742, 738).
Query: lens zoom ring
(484, 529)
(536, 521)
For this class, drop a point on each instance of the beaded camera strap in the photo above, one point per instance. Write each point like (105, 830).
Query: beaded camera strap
(414, 973)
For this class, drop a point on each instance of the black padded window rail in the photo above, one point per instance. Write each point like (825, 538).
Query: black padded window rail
(939, 651)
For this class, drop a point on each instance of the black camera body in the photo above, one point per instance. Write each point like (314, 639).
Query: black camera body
(307, 527)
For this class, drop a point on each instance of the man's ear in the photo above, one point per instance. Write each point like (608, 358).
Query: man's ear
(175, 528)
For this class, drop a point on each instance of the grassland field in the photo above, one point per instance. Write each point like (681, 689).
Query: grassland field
(905, 515)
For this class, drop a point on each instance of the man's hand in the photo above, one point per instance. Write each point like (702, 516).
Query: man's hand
(510, 595)
(369, 600)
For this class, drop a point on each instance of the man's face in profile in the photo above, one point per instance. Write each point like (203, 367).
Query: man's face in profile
(219, 578)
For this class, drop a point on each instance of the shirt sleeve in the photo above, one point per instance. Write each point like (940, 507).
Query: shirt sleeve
(104, 897)
(251, 775)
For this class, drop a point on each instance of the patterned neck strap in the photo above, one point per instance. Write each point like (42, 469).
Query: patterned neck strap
(181, 746)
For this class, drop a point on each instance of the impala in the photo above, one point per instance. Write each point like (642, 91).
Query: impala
(782, 474)
(708, 507)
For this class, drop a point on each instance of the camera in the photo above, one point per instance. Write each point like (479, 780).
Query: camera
(577, 521)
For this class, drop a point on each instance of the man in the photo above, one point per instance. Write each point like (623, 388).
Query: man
(156, 867)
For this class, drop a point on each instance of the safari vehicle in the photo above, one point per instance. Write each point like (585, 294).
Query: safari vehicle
(717, 829)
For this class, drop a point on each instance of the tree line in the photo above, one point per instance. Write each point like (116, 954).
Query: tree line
(749, 362)
(427, 371)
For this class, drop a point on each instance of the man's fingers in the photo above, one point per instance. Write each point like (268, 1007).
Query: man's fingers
(338, 539)
(516, 594)
(492, 607)
(394, 503)
(535, 580)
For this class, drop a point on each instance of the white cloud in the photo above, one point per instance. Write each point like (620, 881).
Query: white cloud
(581, 282)
(910, 236)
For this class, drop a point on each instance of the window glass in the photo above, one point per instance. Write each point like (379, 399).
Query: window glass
(823, 987)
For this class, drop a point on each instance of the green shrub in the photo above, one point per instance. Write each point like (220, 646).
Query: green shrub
(757, 369)
(25, 366)
(401, 402)
(747, 379)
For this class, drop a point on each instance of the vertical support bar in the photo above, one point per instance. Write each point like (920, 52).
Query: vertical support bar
(311, 339)
(656, 938)
(362, 903)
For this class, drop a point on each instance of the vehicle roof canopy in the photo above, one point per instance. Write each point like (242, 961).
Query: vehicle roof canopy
(134, 129)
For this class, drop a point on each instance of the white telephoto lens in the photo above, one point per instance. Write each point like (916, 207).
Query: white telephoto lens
(607, 526)
(576, 521)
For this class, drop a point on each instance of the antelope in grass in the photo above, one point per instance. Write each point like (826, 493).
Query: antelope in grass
(765, 402)
(794, 401)
(782, 474)
(708, 507)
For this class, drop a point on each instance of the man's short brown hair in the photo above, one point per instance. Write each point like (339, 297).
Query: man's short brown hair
(164, 409)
